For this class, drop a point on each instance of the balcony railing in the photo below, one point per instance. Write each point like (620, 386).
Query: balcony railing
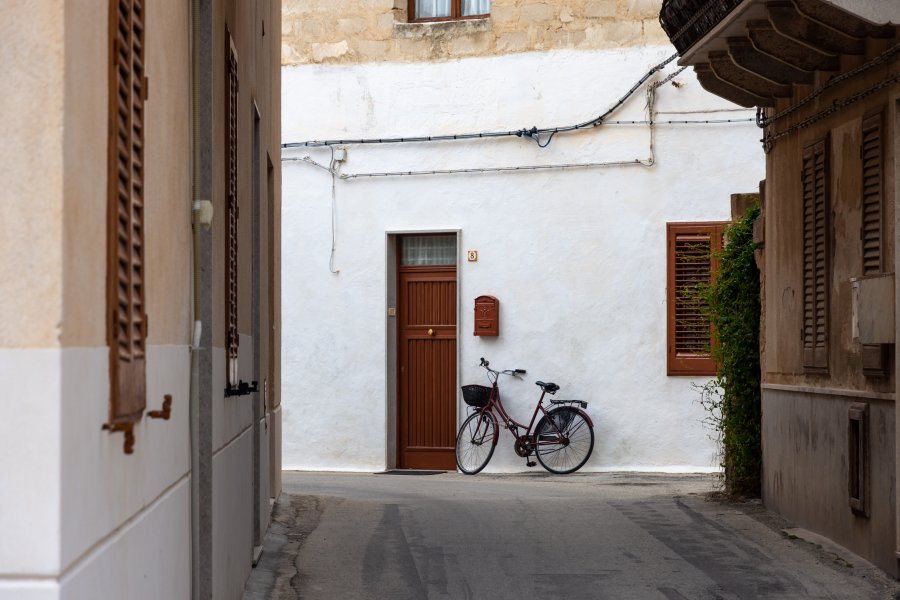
(687, 21)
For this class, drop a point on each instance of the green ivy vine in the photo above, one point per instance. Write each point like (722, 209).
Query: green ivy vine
(732, 399)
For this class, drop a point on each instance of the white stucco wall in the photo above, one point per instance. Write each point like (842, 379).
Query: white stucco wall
(82, 526)
(874, 11)
(577, 257)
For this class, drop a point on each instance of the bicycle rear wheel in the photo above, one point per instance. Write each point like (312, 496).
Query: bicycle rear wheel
(568, 450)
(475, 442)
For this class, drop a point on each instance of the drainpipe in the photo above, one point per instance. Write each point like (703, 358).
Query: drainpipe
(896, 119)
(197, 209)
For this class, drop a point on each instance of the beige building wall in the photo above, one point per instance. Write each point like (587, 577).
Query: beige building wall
(356, 31)
(81, 519)
(167, 176)
(31, 193)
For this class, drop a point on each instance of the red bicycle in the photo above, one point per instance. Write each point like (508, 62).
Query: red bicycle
(562, 441)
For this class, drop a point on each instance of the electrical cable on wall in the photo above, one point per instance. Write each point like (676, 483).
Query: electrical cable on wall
(533, 133)
(647, 162)
(333, 172)
(650, 120)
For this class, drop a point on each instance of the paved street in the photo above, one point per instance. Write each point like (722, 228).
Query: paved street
(582, 536)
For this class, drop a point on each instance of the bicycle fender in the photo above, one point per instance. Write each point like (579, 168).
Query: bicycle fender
(586, 416)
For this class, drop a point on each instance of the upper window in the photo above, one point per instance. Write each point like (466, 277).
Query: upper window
(419, 250)
(126, 317)
(445, 10)
(692, 264)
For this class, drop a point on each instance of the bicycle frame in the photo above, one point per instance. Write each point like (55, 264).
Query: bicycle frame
(495, 405)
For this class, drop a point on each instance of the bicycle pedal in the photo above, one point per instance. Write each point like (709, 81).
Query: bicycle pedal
(530, 464)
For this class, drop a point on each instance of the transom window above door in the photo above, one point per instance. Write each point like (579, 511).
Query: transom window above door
(419, 250)
(435, 10)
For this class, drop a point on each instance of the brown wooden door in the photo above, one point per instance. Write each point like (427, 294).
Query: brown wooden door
(427, 367)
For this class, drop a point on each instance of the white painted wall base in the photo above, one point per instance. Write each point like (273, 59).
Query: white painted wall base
(106, 524)
(148, 559)
(275, 452)
(232, 526)
(30, 519)
(265, 510)
(29, 589)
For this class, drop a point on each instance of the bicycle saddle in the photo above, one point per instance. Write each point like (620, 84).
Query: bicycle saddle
(550, 388)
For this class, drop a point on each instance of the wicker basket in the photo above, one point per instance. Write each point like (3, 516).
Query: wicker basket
(476, 395)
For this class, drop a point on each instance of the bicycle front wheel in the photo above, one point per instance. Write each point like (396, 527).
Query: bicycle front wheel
(475, 442)
(567, 446)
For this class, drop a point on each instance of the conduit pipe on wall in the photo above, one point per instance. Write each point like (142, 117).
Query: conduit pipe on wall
(197, 288)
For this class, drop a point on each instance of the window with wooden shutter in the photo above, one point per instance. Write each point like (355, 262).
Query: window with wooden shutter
(692, 265)
(231, 217)
(875, 357)
(126, 318)
(816, 255)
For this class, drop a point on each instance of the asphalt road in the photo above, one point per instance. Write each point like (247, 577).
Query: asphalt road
(582, 536)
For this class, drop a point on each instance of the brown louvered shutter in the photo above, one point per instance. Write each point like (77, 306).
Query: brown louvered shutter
(816, 264)
(691, 267)
(127, 321)
(872, 190)
(231, 250)
(875, 357)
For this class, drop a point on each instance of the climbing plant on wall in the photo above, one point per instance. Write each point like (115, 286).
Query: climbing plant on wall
(733, 398)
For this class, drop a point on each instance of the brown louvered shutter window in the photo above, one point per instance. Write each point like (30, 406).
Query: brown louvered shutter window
(231, 234)
(127, 321)
(875, 357)
(692, 264)
(872, 190)
(816, 264)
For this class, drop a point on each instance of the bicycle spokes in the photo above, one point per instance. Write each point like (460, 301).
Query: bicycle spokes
(475, 442)
(564, 440)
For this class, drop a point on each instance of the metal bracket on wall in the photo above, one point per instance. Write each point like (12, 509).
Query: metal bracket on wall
(166, 411)
(242, 389)
(127, 429)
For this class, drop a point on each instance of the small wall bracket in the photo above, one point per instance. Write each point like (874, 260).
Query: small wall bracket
(127, 429)
(242, 389)
(166, 412)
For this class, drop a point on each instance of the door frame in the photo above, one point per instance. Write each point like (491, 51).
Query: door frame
(392, 263)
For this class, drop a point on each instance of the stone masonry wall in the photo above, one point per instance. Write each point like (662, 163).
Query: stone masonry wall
(357, 31)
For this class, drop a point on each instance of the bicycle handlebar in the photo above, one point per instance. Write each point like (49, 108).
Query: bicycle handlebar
(487, 365)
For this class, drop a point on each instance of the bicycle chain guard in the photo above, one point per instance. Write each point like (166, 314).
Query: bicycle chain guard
(523, 449)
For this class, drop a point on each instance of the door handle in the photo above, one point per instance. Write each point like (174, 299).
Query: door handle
(431, 332)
